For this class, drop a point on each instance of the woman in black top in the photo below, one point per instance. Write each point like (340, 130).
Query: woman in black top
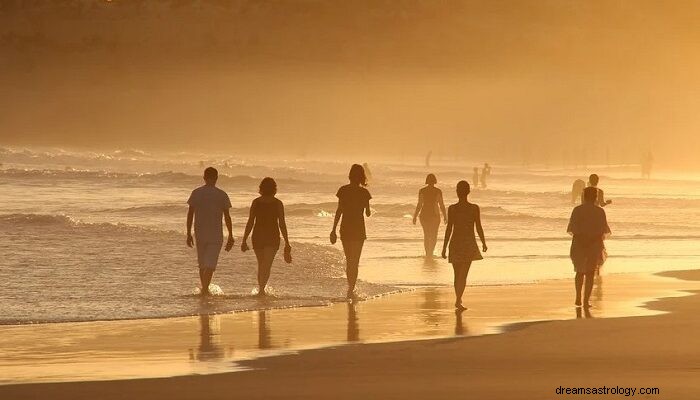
(266, 220)
(462, 217)
(429, 206)
(353, 201)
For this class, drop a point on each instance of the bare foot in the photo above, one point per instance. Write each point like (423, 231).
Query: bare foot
(460, 307)
(587, 305)
(578, 303)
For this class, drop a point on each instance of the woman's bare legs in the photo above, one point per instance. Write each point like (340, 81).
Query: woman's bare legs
(265, 257)
(353, 251)
(430, 233)
(588, 277)
(461, 271)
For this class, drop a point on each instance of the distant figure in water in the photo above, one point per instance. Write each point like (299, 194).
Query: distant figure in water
(368, 173)
(647, 163)
(475, 177)
(427, 159)
(485, 173)
(353, 202)
(266, 220)
(462, 217)
(577, 190)
(588, 225)
(207, 205)
(430, 204)
(600, 198)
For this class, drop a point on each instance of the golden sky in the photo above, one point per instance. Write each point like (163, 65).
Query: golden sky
(499, 78)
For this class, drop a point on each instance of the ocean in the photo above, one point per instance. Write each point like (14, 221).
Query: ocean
(101, 236)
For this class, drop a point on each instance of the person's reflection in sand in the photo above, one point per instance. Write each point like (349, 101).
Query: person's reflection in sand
(585, 313)
(460, 329)
(353, 324)
(431, 307)
(598, 290)
(264, 335)
(209, 340)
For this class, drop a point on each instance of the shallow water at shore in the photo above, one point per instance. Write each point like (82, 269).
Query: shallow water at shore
(215, 343)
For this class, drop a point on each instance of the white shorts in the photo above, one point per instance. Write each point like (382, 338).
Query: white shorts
(208, 254)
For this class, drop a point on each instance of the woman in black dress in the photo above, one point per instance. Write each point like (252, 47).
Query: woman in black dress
(589, 226)
(429, 206)
(353, 202)
(459, 235)
(266, 220)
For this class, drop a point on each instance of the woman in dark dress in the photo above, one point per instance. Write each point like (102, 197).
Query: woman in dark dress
(429, 206)
(266, 220)
(462, 217)
(353, 202)
(588, 225)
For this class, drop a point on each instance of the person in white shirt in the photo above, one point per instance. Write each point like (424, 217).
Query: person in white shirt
(208, 204)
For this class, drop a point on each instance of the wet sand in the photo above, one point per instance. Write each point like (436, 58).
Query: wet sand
(644, 347)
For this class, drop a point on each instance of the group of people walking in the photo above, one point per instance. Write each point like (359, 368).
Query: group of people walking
(208, 205)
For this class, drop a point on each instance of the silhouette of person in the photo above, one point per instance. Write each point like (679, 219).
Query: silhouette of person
(593, 180)
(462, 217)
(427, 158)
(588, 225)
(266, 220)
(264, 333)
(485, 173)
(429, 206)
(475, 177)
(207, 204)
(353, 201)
(577, 190)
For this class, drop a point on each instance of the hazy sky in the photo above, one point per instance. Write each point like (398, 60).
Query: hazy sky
(499, 79)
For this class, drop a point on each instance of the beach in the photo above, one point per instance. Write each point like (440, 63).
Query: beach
(511, 344)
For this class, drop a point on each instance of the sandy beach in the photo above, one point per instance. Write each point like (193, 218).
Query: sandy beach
(619, 344)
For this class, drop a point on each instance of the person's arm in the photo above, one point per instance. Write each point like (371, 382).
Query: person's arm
(283, 225)
(248, 227)
(448, 233)
(419, 206)
(479, 228)
(603, 202)
(190, 218)
(442, 205)
(570, 229)
(368, 212)
(336, 219)
(229, 226)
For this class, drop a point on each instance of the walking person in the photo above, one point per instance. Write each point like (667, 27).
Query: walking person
(593, 180)
(266, 221)
(475, 178)
(429, 206)
(462, 218)
(353, 205)
(207, 205)
(588, 225)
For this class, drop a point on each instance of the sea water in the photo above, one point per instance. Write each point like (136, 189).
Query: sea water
(100, 236)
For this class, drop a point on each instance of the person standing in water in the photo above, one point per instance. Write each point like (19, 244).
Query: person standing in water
(593, 180)
(462, 217)
(208, 204)
(266, 221)
(430, 204)
(353, 202)
(577, 190)
(475, 177)
(485, 173)
(588, 225)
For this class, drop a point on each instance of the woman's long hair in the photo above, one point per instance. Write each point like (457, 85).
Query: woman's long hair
(357, 175)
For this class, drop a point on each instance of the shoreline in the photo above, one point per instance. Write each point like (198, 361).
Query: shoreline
(215, 344)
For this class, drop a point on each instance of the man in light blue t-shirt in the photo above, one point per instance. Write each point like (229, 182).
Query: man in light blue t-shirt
(208, 204)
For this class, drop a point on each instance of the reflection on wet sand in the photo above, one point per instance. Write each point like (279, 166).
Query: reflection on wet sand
(107, 349)
(353, 324)
(583, 312)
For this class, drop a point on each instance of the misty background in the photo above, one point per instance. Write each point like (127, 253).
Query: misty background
(512, 81)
